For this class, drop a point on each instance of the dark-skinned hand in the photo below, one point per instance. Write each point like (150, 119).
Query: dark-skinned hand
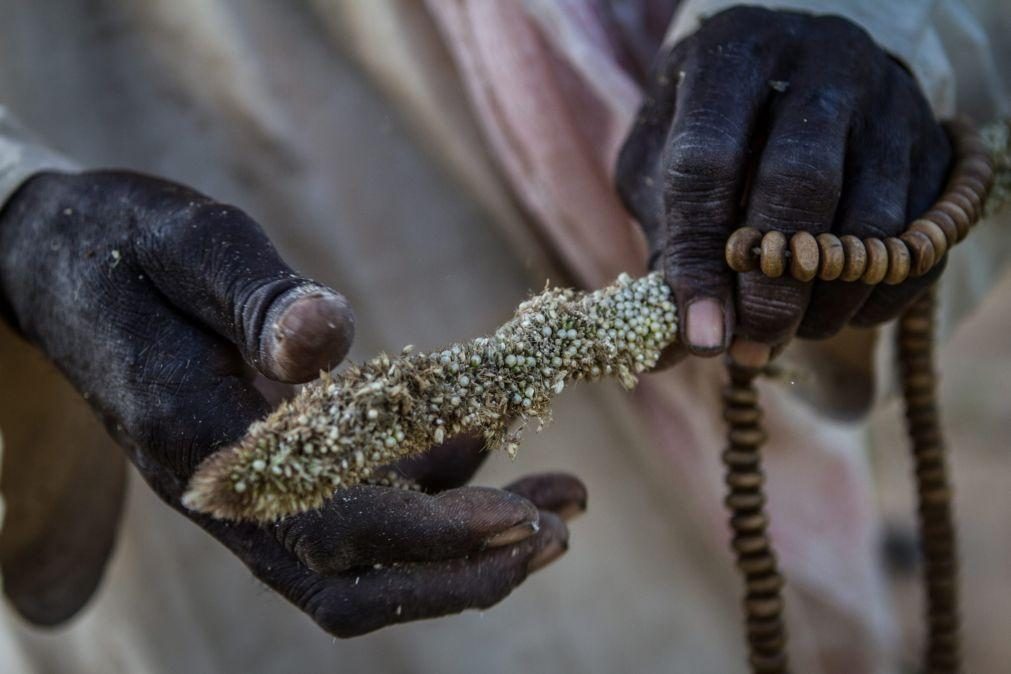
(780, 121)
(159, 304)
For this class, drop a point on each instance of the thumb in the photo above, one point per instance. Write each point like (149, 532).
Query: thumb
(216, 264)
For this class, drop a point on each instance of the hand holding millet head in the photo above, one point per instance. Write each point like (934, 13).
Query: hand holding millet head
(158, 303)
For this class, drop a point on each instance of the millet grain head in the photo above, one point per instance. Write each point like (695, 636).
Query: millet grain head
(347, 428)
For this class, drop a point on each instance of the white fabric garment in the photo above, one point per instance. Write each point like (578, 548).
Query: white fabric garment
(258, 104)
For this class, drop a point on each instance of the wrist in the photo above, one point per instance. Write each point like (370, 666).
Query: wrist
(15, 254)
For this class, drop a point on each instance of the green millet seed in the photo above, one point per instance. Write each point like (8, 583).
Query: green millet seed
(343, 429)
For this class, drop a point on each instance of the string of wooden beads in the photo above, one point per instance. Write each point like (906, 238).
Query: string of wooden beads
(847, 258)
(934, 496)
(871, 260)
(763, 601)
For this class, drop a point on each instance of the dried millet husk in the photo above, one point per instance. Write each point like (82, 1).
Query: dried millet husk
(344, 428)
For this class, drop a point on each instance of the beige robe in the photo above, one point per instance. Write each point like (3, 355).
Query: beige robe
(313, 117)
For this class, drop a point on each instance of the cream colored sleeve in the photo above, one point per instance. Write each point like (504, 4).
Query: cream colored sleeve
(22, 156)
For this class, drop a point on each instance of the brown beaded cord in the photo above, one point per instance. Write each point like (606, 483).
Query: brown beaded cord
(937, 526)
(848, 259)
(763, 603)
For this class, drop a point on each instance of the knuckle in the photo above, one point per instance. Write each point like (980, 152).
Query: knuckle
(804, 173)
(795, 192)
(694, 256)
(703, 158)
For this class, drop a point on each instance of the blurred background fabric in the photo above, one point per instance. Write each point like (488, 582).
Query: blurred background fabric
(348, 131)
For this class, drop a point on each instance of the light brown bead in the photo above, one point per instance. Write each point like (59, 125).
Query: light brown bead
(960, 200)
(803, 256)
(773, 260)
(830, 257)
(856, 258)
(740, 250)
(944, 221)
(921, 251)
(936, 235)
(898, 260)
(960, 217)
(978, 166)
(970, 195)
(877, 261)
(971, 182)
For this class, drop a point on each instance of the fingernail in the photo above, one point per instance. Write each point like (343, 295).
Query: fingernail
(313, 333)
(571, 510)
(752, 355)
(705, 325)
(548, 554)
(514, 535)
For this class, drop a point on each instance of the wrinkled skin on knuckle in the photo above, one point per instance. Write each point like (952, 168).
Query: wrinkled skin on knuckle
(701, 163)
(799, 193)
(692, 257)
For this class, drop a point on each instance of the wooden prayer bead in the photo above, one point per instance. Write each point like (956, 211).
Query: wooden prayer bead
(830, 257)
(803, 256)
(773, 260)
(740, 251)
(747, 437)
(877, 261)
(740, 395)
(960, 200)
(764, 607)
(855, 258)
(972, 196)
(936, 235)
(978, 166)
(921, 251)
(742, 415)
(740, 459)
(764, 563)
(748, 523)
(745, 501)
(972, 182)
(960, 217)
(766, 584)
(750, 545)
(944, 221)
(898, 260)
(744, 481)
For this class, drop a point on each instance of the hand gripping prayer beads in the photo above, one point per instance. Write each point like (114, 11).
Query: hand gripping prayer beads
(871, 260)
(343, 429)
